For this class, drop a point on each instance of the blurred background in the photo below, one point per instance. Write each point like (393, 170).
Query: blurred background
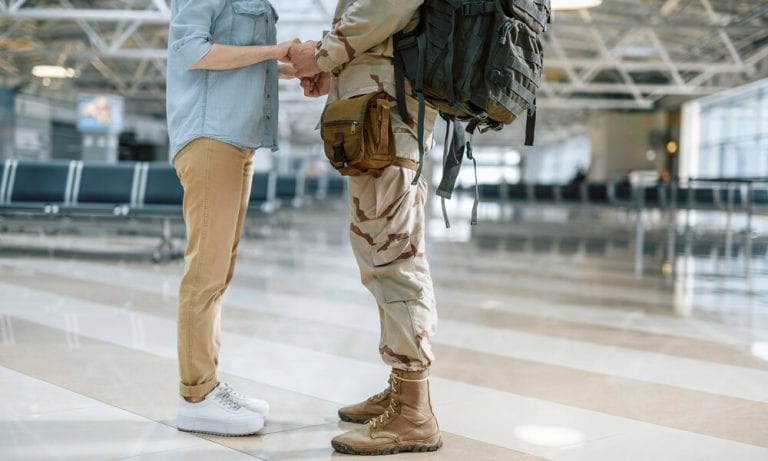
(626, 251)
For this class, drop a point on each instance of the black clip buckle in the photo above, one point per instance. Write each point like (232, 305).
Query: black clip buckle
(339, 156)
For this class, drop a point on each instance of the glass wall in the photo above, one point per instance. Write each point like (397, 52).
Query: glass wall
(558, 163)
(733, 134)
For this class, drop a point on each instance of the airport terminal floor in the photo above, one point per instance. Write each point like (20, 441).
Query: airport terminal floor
(553, 342)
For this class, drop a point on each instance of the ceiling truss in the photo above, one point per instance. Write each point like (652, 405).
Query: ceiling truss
(625, 55)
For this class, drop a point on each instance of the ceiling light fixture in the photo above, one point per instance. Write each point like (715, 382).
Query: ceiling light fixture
(53, 72)
(564, 5)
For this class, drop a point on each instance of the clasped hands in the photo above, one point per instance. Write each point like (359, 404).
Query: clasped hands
(301, 57)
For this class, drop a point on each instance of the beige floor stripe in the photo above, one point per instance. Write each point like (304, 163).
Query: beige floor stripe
(146, 385)
(704, 413)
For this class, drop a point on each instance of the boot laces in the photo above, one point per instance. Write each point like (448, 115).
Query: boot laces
(383, 393)
(392, 408)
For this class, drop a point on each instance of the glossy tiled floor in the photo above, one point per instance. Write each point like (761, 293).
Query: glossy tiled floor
(551, 345)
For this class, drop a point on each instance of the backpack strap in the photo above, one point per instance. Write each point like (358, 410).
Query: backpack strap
(446, 147)
(470, 155)
(421, 42)
(453, 155)
(420, 135)
(530, 124)
(406, 57)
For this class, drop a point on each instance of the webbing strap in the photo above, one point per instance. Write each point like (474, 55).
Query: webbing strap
(470, 155)
(530, 125)
(400, 90)
(422, 44)
(507, 81)
(420, 136)
(448, 63)
(508, 103)
(481, 7)
(515, 64)
(538, 15)
(530, 56)
(446, 148)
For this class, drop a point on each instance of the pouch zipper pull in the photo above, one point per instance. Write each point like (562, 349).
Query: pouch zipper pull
(354, 126)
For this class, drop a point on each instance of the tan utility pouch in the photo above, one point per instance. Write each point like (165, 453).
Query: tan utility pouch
(357, 135)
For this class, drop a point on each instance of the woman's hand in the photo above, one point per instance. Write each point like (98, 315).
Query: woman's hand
(283, 50)
(286, 71)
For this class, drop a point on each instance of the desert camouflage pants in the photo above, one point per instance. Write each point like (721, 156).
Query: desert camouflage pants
(387, 236)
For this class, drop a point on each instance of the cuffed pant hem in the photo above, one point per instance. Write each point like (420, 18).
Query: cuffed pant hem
(199, 391)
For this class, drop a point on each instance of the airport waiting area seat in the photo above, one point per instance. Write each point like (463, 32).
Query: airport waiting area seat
(598, 193)
(161, 193)
(720, 195)
(263, 191)
(129, 190)
(290, 190)
(104, 188)
(126, 189)
(572, 193)
(136, 190)
(35, 187)
(337, 186)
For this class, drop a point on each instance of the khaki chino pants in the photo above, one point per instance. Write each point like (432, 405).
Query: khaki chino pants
(216, 178)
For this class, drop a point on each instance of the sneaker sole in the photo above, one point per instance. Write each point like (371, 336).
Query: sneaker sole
(347, 450)
(349, 419)
(219, 434)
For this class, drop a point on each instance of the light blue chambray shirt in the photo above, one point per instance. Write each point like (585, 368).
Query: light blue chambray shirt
(238, 106)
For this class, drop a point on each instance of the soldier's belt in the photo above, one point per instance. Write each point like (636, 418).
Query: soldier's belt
(357, 135)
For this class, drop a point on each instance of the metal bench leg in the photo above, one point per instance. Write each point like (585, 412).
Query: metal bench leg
(165, 250)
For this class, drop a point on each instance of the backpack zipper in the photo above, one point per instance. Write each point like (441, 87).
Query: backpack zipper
(354, 124)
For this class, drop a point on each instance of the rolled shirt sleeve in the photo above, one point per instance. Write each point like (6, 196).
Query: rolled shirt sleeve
(365, 24)
(190, 29)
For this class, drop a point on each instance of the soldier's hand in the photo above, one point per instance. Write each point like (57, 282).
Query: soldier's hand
(317, 85)
(303, 57)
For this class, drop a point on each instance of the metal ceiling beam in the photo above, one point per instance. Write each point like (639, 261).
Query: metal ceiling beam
(620, 88)
(594, 104)
(158, 16)
(638, 66)
(74, 14)
(122, 53)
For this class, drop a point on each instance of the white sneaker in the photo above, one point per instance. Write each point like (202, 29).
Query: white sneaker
(257, 405)
(219, 413)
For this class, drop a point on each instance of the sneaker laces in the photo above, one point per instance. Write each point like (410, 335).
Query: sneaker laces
(226, 398)
(225, 388)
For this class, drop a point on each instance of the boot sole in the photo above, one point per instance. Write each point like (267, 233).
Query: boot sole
(348, 419)
(417, 447)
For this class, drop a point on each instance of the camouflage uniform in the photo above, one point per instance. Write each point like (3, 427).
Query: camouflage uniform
(387, 213)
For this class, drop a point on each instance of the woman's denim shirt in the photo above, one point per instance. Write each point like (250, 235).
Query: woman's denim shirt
(238, 106)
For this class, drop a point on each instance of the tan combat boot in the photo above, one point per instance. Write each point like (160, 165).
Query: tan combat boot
(407, 424)
(372, 407)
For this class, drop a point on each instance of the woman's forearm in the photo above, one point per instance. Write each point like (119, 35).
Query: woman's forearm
(227, 57)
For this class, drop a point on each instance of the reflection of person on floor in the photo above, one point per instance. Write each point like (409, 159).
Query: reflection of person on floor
(387, 229)
(222, 104)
